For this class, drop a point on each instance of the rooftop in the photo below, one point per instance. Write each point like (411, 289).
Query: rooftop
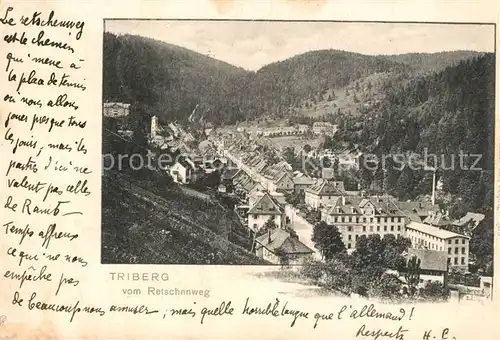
(430, 259)
(433, 231)
(280, 239)
(266, 205)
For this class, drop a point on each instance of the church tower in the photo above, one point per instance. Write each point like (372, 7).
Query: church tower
(154, 126)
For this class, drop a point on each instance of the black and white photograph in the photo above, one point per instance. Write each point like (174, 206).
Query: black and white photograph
(356, 158)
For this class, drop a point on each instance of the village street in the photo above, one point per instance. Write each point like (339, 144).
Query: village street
(305, 232)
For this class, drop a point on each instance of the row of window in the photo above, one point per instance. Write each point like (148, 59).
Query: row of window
(455, 261)
(456, 241)
(371, 228)
(357, 219)
(456, 250)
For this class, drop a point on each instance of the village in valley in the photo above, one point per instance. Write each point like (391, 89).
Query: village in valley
(360, 167)
(287, 198)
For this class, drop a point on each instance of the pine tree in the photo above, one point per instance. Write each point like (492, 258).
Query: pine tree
(412, 275)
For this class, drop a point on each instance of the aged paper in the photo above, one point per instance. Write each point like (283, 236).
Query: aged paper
(248, 170)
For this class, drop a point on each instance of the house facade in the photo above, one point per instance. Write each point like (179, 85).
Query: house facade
(182, 171)
(264, 208)
(277, 244)
(433, 266)
(301, 183)
(283, 183)
(355, 216)
(321, 194)
(116, 109)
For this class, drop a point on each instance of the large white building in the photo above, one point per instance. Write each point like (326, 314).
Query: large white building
(355, 216)
(116, 109)
(433, 238)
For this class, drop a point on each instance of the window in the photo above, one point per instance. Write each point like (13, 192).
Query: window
(449, 241)
(449, 250)
(456, 250)
(255, 225)
(349, 228)
(364, 228)
(349, 237)
(357, 236)
(349, 246)
(463, 260)
(371, 228)
(463, 250)
(455, 260)
(463, 241)
(456, 241)
(399, 228)
(378, 228)
(392, 228)
(385, 228)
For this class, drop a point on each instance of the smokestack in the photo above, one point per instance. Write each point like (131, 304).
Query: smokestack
(433, 197)
(269, 236)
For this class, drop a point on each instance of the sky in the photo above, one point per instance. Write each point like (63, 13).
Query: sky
(253, 44)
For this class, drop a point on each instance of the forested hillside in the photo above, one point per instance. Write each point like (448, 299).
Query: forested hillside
(445, 113)
(170, 81)
(163, 79)
(422, 63)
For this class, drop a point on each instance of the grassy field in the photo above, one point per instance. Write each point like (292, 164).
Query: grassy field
(296, 142)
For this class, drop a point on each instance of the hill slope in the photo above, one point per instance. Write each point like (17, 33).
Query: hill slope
(141, 227)
(170, 81)
(443, 114)
(421, 63)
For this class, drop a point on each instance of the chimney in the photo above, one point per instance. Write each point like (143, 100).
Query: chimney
(343, 200)
(433, 197)
(269, 236)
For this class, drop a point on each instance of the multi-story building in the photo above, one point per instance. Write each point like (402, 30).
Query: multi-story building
(433, 238)
(355, 216)
(116, 109)
(321, 194)
(265, 207)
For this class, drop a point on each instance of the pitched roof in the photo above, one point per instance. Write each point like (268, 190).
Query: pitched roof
(419, 208)
(282, 240)
(113, 104)
(230, 173)
(303, 180)
(355, 204)
(472, 218)
(429, 259)
(266, 205)
(433, 231)
(323, 188)
(437, 220)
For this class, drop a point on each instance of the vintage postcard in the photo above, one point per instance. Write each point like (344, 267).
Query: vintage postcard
(241, 170)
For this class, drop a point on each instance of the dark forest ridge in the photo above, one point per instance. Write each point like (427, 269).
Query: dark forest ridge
(169, 81)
